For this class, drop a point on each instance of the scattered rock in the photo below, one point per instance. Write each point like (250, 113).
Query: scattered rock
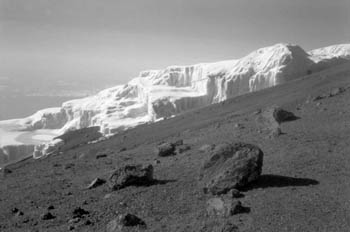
(131, 175)
(6, 170)
(47, 216)
(95, 183)
(14, 210)
(166, 149)
(126, 220)
(231, 166)
(79, 212)
(19, 213)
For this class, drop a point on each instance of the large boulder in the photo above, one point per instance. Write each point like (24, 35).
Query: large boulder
(131, 175)
(281, 115)
(166, 149)
(231, 166)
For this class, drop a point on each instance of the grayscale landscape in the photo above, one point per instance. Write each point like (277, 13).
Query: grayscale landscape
(203, 116)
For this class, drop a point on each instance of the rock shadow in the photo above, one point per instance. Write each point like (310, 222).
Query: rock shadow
(149, 183)
(269, 181)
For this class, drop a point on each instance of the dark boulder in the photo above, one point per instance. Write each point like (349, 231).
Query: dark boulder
(131, 175)
(79, 212)
(282, 115)
(231, 166)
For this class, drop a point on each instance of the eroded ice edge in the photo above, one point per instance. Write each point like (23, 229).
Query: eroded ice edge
(158, 94)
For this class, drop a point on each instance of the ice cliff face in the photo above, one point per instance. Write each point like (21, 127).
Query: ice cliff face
(157, 94)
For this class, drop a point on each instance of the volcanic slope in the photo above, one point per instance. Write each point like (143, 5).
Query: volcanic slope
(304, 184)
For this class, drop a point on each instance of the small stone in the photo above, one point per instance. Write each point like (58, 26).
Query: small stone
(95, 183)
(47, 216)
(79, 212)
(234, 193)
(101, 155)
(88, 222)
(69, 165)
(237, 208)
(14, 210)
(50, 207)
(156, 161)
(19, 213)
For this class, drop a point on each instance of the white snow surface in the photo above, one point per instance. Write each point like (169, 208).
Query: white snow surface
(158, 94)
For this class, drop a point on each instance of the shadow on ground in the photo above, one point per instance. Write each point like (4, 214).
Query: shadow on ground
(267, 181)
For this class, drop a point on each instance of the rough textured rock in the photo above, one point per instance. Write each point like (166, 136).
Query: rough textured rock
(166, 149)
(131, 175)
(122, 222)
(231, 166)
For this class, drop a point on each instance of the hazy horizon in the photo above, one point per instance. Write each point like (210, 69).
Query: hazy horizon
(114, 40)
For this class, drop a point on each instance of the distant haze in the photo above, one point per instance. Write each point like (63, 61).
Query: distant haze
(113, 40)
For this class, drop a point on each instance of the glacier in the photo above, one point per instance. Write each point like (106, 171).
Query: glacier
(158, 94)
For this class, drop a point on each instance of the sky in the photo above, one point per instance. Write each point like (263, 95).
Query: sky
(97, 41)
